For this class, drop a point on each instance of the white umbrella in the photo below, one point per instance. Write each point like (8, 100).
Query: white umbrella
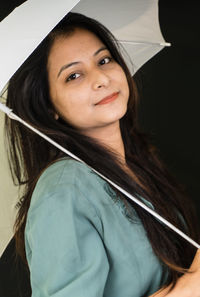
(134, 22)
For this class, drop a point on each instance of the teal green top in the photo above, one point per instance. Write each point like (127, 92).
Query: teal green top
(80, 243)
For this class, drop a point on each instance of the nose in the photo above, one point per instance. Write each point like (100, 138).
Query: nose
(100, 79)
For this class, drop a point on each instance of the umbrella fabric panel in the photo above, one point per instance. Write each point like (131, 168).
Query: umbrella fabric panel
(137, 26)
(8, 195)
(29, 26)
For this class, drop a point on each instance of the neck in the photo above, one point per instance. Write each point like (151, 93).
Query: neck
(110, 135)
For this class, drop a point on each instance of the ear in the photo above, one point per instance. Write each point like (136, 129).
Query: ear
(56, 116)
(53, 113)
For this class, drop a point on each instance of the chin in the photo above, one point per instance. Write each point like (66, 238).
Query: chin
(115, 117)
(120, 112)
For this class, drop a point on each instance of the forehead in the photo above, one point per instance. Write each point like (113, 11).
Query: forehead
(75, 46)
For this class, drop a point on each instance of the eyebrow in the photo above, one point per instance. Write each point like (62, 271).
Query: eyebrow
(75, 63)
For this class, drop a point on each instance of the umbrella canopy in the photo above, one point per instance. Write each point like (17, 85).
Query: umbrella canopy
(134, 23)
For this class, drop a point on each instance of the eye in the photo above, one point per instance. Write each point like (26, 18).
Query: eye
(72, 76)
(105, 60)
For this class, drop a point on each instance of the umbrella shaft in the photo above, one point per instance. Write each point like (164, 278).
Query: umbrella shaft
(13, 116)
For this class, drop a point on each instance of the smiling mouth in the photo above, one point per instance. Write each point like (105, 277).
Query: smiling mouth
(108, 99)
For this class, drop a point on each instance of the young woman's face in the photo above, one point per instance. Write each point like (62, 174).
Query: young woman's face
(81, 74)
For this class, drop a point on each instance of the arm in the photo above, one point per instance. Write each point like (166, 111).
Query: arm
(67, 254)
(188, 285)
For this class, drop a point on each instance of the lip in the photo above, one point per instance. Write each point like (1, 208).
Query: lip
(109, 98)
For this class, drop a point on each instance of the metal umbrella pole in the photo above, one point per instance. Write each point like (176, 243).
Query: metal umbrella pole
(131, 197)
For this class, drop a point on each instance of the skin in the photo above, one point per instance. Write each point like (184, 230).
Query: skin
(74, 93)
(188, 285)
(77, 89)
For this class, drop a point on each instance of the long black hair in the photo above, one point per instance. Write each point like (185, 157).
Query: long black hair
(28, 96)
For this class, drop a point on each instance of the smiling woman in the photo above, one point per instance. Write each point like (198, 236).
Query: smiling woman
(84, 77)
(78, 235)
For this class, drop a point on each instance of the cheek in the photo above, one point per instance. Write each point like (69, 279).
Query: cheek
(121, 77)
(71, 103)
(124, 83)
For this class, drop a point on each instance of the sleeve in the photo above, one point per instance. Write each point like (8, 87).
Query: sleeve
(66, 254)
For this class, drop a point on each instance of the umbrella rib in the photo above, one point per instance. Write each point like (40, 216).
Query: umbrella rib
(13, 116)
(145, 42)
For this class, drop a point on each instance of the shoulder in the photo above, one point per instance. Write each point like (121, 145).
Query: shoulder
(68, 171)
(63, 170)
(67, 178)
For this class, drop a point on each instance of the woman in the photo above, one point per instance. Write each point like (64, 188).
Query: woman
(80, 236)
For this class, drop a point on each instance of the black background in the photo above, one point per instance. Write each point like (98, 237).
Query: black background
(170, 102)
(169, 108)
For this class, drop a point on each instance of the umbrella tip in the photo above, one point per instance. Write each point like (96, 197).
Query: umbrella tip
(165, 43)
